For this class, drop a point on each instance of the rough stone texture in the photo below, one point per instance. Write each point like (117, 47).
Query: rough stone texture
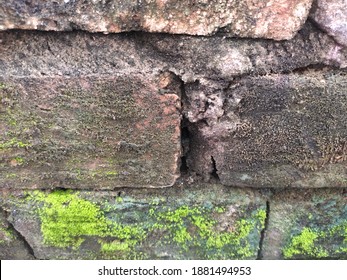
(306, 224)
(191, 58)
(277, 20)
(12, 247)
(89, 132)
(331, 16)
(196, 222)
(286, 130)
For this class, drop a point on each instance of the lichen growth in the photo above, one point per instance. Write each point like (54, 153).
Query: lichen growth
(195, 227)
(339, 232)
(261, 215)
(13, 143)
(304, 244)
(113, 246)
(67, 219)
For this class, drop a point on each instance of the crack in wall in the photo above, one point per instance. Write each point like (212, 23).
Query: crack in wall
(263, 232)
(214, 173)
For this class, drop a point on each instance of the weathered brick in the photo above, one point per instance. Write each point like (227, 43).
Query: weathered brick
(278, 20)
(191, 58)
(90, 132)
(273, 131)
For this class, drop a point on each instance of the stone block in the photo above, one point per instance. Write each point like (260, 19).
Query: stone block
(191, 58)
(192, 222)
(306, 224)
(90, 132)
(277, 20)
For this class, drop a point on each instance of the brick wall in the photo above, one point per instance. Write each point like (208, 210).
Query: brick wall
(173, 129)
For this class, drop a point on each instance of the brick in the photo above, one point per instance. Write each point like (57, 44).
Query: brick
(273, 131)
(191, 58)
(90, 132)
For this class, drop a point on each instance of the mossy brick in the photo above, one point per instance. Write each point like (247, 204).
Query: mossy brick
(89, 132)
(203, 221)
(307, 224)
(276, 131)
(246, 18)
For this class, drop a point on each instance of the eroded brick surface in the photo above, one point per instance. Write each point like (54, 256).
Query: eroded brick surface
(275, 131)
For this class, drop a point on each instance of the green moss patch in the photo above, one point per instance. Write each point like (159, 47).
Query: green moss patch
(127, 228)
(67, 219)
(304, 244)
(312, 243)
(197, 229)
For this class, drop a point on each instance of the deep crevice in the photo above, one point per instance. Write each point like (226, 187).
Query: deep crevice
(263, 232)
(214, 173)
(185, 134)
(19, 235)
(185, 142)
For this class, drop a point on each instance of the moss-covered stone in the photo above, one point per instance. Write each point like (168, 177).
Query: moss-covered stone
(307, 225)
(66, 219)
(189, 224)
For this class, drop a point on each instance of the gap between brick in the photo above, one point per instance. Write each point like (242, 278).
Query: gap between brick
(263, 232)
